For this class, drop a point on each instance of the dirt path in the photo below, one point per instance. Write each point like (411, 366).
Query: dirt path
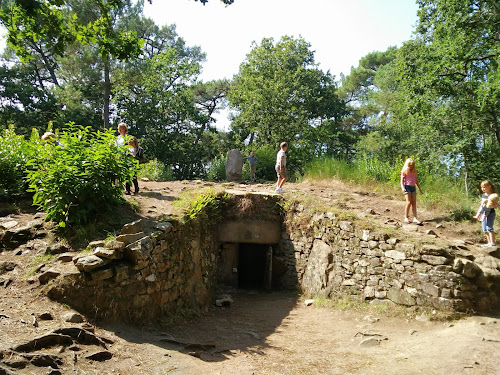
(264, 334)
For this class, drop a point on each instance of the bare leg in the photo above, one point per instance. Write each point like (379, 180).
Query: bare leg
(413, 199)
(408, 204)
(278, 183)
(283, 181)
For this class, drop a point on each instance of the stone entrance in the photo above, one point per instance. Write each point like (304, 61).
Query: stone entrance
(246, 265)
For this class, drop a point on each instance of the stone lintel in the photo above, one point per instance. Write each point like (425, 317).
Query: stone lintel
(250, 231)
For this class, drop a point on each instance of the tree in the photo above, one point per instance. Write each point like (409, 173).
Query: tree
(44, 30)
(365, 102)
(164, 105)
(280, 94)
(444, 89)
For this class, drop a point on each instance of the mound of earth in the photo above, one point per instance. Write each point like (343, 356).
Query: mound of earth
(271, 333)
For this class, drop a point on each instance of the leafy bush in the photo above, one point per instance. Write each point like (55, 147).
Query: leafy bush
(76, 180)
(217, 169)
(266, 161)
(155, 170)
(15, 151)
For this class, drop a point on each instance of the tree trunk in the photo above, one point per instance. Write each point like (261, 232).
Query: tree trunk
(107, 93)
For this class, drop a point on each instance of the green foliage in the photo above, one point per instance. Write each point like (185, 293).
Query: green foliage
(155, 170)
(206, 205)
(75, 181)
(280, 94)
(217, 169)
(56, 24)
(15, 152)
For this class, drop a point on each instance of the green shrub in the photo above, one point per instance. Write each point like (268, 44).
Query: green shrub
(15, 151)
(266, 156)
(216, 170)
(76, 180)
(155, 170)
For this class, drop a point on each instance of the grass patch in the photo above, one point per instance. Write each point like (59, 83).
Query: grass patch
(440, 193)
(201, 203)
(356, 304)
(36, 262)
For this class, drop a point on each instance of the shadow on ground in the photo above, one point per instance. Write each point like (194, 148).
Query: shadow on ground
(221, 332)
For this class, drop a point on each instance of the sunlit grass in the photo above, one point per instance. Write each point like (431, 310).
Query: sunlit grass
(439, 193)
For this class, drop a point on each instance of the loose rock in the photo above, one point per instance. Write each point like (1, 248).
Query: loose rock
(48, 275)
(45, 316)
(100, 356)
(72, 317)
(130, 228)
(90, 262)
(57, 248)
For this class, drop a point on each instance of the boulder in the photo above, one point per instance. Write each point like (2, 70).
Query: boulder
(57, 248)
(97, 243)
(72, 317)
(401, 297)
(316, 275)
(48, 275)
(164, 226)
(8, 224)
(90, 262)
(15, 237)
(114, 245)
(102, 252)
(133, 227)
(6, 266)
(234, 165)
(130, 238)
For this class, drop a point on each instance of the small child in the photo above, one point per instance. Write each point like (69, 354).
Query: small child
(486, 212)
(281, 167)
(409, 184)
(252, 160)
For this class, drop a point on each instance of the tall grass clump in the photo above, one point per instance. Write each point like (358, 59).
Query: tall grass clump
(362, 171)
(440, 191)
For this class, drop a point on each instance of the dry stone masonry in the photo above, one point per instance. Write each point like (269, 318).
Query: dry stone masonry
(328, 256)
(140, 276)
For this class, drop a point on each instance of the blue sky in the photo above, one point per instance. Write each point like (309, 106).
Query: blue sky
(339, 31)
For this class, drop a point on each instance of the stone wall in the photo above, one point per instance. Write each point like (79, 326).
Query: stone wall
(141, 276)
(327, 256)
(171, 269)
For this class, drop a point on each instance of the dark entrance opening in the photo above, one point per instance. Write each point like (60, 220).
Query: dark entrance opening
(254, 266)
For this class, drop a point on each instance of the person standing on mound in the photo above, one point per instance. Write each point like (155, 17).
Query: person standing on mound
(409, 184)
(486, 213)
(281, 167)
(252, 160)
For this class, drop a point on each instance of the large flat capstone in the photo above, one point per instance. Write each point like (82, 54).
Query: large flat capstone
(250, 231)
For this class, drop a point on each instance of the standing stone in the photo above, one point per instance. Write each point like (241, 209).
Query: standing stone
(234, 165)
